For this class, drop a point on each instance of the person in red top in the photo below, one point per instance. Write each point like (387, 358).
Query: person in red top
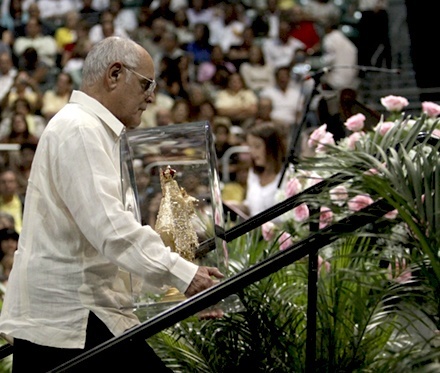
(303, 28)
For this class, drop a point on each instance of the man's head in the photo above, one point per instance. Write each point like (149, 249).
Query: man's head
(119, 73)
(8, 184)
(5, 63)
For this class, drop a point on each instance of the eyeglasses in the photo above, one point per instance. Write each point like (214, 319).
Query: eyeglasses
(148, 86)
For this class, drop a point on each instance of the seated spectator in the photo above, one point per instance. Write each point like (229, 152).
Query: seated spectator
(169, 49)
(280, 51)
(180, 111)
(256, 73)
(34, 38)
(240, 53)
(266, 21)
(287, 98)
(184, 34)
(65, 35)
(172, 80)
(221, 130)
(200, 49)
(321, 12)
(36, 123)
(161, 102)
(88, 13)
(54, 99)
(163, 10)
(11, 201)
(199, 11)
(72, 61)
(105, 28)
(33, 11)
(6, 220)
(124, 17)
(38, 70)
(8, 72)
(214, 73)
(6, 42)
(19, 133)
(197, 95)
(8, 246)
(234, 191)
(150, 37)
(24, 164)
(227, 26)
(236, 101)
(14, 16)
(164, 117)
(54, 11)
(267, 148)
(339, 50)
(24, 87)
(304, 29)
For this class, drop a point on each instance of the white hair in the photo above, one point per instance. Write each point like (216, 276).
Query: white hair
(106, 52)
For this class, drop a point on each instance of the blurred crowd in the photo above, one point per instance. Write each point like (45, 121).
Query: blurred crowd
(236, 64)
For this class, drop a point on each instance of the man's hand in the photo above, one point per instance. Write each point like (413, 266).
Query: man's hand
(203, 280)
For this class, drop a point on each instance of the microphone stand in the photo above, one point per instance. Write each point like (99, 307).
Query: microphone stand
(294, 145)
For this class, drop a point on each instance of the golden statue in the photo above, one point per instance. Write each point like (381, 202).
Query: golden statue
(175, 219)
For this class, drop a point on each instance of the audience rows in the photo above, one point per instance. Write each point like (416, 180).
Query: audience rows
(234, 64)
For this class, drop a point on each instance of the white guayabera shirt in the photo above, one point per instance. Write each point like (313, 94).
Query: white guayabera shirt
(77, 233)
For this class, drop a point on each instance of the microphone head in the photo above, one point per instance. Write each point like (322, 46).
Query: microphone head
(300, 70)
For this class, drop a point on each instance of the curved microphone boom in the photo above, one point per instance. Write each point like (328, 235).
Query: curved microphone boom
(319, 73)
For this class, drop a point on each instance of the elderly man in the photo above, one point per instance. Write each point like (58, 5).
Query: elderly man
(70, 288)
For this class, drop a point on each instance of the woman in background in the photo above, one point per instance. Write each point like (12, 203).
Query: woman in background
(267, 150)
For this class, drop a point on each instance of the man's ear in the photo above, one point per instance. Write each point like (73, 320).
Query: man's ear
(114, 73)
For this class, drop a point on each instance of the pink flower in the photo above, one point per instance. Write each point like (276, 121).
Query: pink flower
(268, 230)
(326, 140)
(391, 215)
(322, 262)
(313, 179)
(293, 187)
(436, 133)
(431, 109)
(355, 123)
(285, 241)
(325, 217)
(316, 136)
(394, 103)
(359, 202)
(384, 127)
(400, 275)
(300, 213)
(353, 139)
(339, 195)
(371, 172)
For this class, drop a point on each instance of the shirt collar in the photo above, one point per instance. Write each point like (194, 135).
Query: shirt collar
(99, 110)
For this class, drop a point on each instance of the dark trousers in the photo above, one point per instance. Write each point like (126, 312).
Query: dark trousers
(131, 356)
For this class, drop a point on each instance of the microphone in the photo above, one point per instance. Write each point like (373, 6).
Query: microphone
(300, 70)
(319, 73)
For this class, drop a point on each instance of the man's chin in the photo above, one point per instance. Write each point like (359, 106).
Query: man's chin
(133, 126)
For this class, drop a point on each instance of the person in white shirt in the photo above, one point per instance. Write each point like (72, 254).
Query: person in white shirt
(287, 98)
(124, 18)
(340, 55)
(199, 11)
(267, 150)
(45, 45)
(70, 289)
(280, 51)
(8, 72)
(106, 27)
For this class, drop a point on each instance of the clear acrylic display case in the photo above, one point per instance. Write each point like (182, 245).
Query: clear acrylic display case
(188, 148)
